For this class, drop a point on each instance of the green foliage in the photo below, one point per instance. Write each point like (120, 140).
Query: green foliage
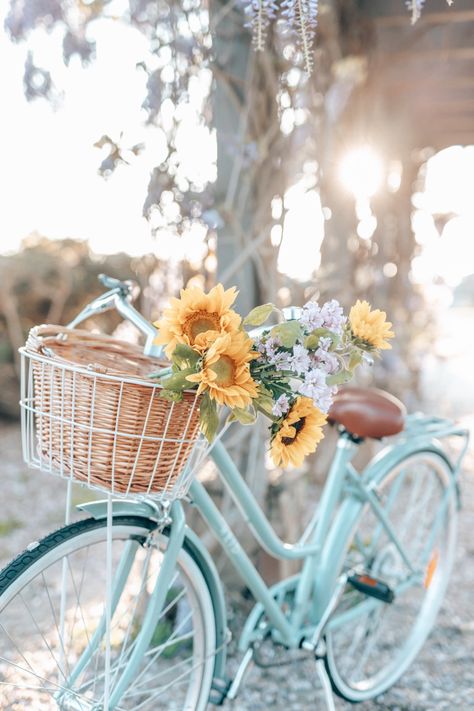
(177, 381)
(259, 315)
(287, 333)
(171, 395)
(209, 419)
(312, 341)
(264, 403)
(246, 416)
(355, 359)
(343, 376)
(185, 357)
(8, 525)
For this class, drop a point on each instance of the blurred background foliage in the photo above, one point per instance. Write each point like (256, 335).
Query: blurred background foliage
(242, 168)
(251, 149)
(49, 281)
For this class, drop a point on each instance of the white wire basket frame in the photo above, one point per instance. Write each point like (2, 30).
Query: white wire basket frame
(58, 440)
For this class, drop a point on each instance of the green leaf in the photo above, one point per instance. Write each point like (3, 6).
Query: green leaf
(264, 403)
(263, 390)
(355, 359)
(246, 416)
(209, 419)
(160, 373)
(287, 333)
(185, 357)
(312, 341)
(177, 381)
(171, 395)
(338, 378)
(258, 315)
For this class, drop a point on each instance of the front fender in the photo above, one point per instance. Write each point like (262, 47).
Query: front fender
(120, 507)
(195, 548)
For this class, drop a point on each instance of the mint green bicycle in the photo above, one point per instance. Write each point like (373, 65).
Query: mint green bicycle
(376, 558)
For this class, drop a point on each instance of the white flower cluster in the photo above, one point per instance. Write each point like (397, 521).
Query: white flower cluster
(329, 315)
(307, 370)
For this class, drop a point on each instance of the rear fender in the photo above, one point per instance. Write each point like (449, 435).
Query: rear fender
(391, 456)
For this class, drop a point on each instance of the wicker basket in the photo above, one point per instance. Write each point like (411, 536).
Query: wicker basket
(90, 411)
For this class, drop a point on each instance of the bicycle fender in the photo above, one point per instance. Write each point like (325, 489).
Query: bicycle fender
(200, 554)
(120, 507)
(392, 455)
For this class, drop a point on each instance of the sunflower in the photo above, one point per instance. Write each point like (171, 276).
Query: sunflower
(197, 319)
(225, 371)
(370, 327)
(299, 434)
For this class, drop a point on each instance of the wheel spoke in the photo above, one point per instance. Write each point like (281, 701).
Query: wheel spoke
(160, 649)
(52, 613)
(46, 643)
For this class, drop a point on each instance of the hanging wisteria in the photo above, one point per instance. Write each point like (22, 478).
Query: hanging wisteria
(415, 7)
(300, 17)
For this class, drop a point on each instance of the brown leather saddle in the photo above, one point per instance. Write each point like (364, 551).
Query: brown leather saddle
(367, 412)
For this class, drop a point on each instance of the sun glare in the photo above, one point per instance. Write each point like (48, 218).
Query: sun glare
(447, 251)
(303, 233)
(361, 172)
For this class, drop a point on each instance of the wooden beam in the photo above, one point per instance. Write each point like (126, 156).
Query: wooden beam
(446, 140)
(447, 128)
(427, 18)
(442, 105)
(417, 82)
(444, 54)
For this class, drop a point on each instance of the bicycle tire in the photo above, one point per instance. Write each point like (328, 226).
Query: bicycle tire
(33, 576)
(347, 682)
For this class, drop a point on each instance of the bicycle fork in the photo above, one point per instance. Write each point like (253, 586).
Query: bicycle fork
(71, 700)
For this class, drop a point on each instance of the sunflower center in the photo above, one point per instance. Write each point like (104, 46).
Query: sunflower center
(199, 322)
(298, 427)
(224, 368)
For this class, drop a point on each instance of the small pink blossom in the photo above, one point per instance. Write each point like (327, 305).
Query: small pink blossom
(281, 406)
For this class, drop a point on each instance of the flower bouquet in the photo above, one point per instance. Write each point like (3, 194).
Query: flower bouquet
(290, 372)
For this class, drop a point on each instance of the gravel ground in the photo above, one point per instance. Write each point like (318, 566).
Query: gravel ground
(441, 678)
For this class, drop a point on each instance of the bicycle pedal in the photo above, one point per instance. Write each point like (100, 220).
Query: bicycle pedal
(371, 586)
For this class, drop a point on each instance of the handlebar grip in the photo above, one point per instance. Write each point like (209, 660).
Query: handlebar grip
(125, 287)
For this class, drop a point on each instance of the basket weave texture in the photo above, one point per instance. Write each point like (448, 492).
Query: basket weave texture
(99, 417)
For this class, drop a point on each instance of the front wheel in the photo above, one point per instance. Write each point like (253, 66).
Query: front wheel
(370, 643)
(52, 642)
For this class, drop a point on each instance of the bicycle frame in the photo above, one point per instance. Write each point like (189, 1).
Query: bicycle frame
(344, 497)
(322, 548)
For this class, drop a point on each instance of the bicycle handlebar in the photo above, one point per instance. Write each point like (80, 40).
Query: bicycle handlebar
(125, 287)
(119, 297)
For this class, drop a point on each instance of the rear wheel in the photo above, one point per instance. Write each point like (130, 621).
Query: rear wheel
(370, 643)
(52, 608)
